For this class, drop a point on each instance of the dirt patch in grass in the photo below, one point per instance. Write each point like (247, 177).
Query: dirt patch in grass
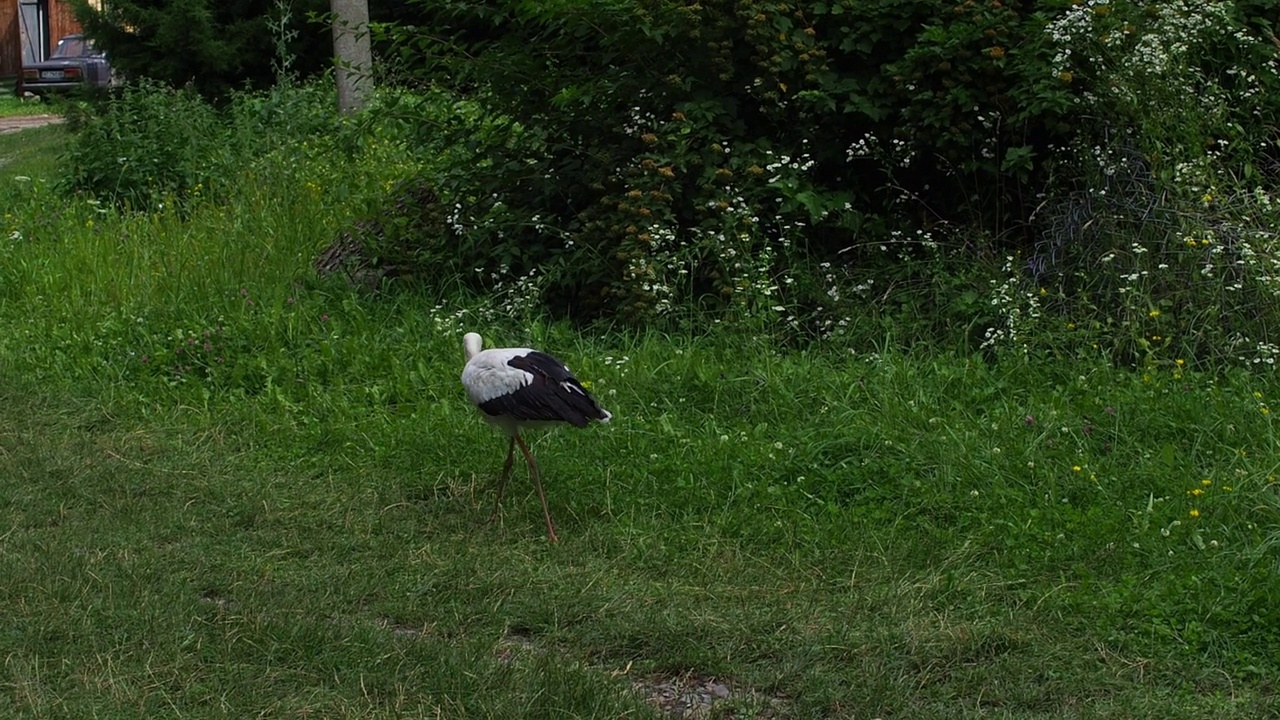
(22, 122)
(692, 695)
(688, 695)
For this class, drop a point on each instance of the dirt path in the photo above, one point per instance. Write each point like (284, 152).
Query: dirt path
(22, 122)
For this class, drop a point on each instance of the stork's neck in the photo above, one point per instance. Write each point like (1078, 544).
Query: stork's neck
(472, 344)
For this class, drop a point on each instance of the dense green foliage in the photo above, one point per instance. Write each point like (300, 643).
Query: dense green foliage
(153, 144)
(212, 46)
(820, 157)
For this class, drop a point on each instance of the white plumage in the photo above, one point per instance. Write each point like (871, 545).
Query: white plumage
(516, 388)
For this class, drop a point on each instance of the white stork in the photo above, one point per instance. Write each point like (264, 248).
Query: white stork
(519, 387)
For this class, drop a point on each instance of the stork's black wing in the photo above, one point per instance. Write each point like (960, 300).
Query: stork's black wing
(554, 394)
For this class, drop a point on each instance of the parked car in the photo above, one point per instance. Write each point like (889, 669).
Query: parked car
(74, 64)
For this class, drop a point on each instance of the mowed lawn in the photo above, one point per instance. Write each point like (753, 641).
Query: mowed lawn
(867, 550)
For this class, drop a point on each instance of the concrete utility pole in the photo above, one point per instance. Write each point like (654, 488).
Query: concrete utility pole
(352, 53)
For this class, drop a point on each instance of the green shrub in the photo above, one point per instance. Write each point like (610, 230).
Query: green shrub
(146, 145)
(1157, 246)
(647, 149)
(152, 144)
(814, 165)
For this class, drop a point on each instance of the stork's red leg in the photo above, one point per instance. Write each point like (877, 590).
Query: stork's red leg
(502, 479)
(537, 481)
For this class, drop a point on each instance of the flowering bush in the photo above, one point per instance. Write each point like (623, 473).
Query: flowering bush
(1157, 246)
(778, 160)
(658, 155)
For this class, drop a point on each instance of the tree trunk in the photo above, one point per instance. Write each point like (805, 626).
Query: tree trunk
(352, 53)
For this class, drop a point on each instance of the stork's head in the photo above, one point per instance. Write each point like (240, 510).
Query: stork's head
(471, 344)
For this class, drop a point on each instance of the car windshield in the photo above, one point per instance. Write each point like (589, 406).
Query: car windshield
(71, 47)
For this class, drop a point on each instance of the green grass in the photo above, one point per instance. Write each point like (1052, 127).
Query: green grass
(11, 105)
(231, 490)
(203, 609)
(252, 560)
(31, 153)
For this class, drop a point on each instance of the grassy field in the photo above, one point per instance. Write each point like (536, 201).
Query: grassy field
(232, 490)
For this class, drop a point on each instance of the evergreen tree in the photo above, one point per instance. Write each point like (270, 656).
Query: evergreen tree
(212, 45)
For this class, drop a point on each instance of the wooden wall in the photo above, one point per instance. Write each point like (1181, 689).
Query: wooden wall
(10, 47)
(61, 22)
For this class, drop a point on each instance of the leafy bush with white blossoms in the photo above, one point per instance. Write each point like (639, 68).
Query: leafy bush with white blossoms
(1158, 248)
(1009, 175)
(698, 153)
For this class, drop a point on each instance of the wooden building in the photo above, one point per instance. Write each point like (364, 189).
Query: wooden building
(30, 29)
